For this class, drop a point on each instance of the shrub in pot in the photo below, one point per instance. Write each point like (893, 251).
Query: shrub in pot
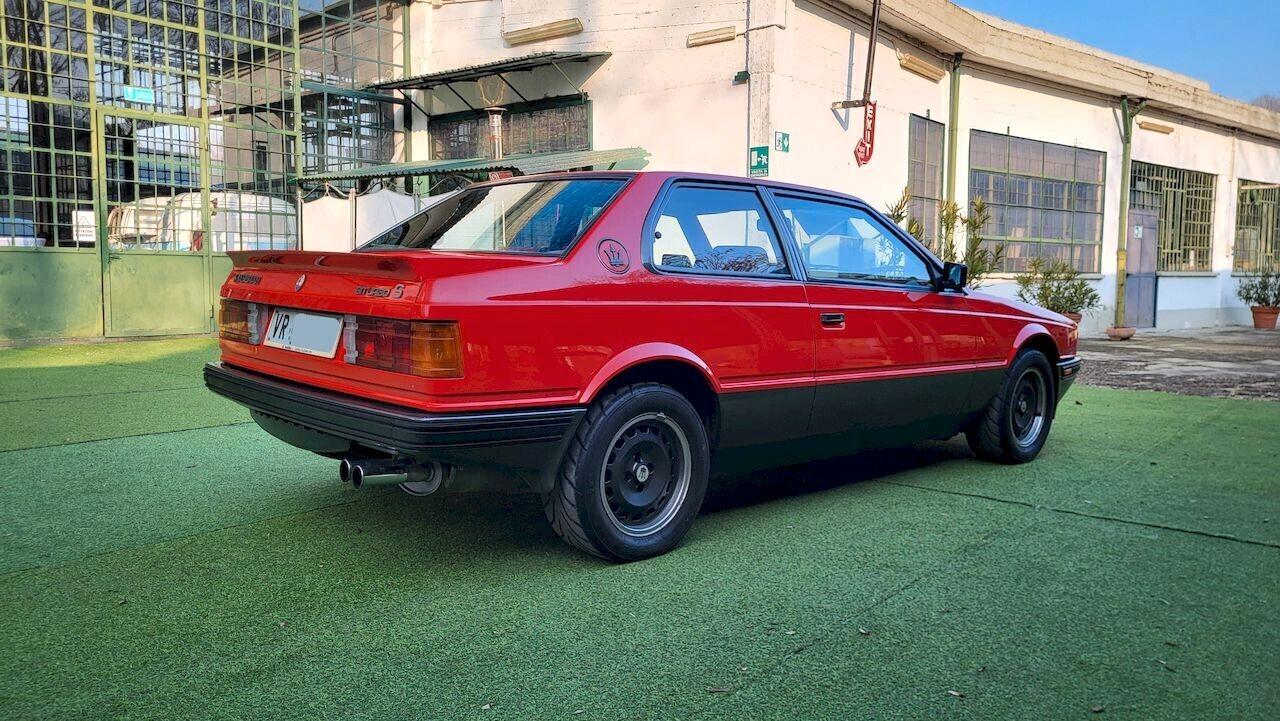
(1261, 293)
(1057, 286)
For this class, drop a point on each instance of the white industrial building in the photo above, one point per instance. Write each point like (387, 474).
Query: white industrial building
(966, 105)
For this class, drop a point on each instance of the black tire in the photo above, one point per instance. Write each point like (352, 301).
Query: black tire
(603, 503)
(1014, 425)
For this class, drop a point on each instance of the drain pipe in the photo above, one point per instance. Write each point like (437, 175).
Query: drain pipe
(953, 129)
(1127, 114)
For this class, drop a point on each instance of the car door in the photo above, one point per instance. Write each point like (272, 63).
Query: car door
(893, 355)
(720, 267)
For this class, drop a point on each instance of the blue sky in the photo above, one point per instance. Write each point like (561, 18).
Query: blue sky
(1231, 44)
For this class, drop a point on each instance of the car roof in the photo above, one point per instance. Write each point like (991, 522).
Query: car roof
(664, 175)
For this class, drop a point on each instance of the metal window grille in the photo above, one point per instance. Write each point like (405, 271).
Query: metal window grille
(1257, 245)
(1045, 199)
(924, 172)
(528, 130)
(1183, 202)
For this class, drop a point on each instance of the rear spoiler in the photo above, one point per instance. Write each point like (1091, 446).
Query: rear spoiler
(374, 264)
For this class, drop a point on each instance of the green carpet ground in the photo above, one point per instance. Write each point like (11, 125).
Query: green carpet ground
(165, 559)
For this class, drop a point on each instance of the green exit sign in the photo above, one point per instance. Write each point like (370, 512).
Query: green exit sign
(759, 164)
(138, 94)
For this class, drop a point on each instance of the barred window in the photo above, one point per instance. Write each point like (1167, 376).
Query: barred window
(540, 130)
(1045, 199)
(924, 173)
(1257, 227)
(1183, 203)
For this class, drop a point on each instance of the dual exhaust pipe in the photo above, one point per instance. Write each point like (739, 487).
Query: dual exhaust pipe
(418, 479)
(356, 470)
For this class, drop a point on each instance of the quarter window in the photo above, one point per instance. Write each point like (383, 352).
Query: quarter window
(724, 230)
(840, 242)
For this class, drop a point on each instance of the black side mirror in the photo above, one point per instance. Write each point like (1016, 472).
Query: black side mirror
(955, 276)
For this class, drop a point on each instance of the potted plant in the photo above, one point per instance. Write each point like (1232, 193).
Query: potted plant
(1261, 293)
(1055, 285)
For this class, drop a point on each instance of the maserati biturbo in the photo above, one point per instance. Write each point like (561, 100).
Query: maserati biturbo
(611, 340)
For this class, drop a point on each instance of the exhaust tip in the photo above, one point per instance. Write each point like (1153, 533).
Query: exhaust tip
(344, 470)
(357, 476)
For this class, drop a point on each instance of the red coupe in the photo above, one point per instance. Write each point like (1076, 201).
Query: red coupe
(609, 340)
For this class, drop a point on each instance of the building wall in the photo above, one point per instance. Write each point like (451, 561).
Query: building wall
(678, 104)
(681, 105)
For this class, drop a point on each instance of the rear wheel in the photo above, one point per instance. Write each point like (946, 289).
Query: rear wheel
(633, 478)
(1014, 425)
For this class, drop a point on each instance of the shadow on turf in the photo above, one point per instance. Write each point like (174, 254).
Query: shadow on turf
(440, 530)
(730, 492)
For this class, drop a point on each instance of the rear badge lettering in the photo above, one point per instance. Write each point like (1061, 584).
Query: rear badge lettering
(613, 256)
(247, 278)
(371, 291)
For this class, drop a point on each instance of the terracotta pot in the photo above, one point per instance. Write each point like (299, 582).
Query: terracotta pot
(1264, 316)
(1121, 333)
(1075, 317)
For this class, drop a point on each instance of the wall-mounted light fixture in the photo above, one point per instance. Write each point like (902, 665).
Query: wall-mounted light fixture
(707, 37)
(546, 31)
(1155, 127)
(923, 68)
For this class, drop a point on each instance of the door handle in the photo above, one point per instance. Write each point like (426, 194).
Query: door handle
(114, 256)
(831, 320)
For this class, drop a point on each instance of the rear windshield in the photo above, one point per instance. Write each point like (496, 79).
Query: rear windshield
(544, 216)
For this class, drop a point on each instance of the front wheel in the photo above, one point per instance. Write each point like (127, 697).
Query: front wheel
(633, 478)
(1014, 425)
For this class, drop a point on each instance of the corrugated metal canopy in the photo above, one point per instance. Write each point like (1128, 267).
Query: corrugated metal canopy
(483, 70)
(529, 164)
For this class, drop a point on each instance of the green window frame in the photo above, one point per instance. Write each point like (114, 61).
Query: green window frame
(1257, 242)
(1183, 200)
(926, 141)
(1046, 200)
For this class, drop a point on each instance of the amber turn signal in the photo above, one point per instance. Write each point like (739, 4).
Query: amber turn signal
(431, 349)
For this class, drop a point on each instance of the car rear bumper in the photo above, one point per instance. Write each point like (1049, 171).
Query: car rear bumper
(1068, 369)
(335, 424)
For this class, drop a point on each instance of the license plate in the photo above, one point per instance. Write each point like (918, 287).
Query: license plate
(309, 333)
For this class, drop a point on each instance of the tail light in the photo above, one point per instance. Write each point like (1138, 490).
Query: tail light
(430, 349)
(240, 321)
(233, 320)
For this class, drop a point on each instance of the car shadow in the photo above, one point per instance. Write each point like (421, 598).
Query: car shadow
(438, 532)
(739, 491)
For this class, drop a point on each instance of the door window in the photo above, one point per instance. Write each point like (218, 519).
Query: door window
(724, 230)
(841, 242)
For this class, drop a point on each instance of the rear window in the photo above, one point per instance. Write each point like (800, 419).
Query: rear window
(544, 217)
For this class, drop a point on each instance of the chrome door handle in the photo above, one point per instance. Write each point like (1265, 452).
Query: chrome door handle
(832, 319)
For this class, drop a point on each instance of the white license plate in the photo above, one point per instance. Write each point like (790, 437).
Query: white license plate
(309, 333)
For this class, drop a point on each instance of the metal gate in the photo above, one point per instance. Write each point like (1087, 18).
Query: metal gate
(151, 227)
(1140, 279)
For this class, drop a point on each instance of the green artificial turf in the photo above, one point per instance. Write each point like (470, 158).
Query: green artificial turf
(208, 571)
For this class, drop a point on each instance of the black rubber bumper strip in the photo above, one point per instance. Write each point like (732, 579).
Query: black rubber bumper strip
(383, 425)
(1069, 368)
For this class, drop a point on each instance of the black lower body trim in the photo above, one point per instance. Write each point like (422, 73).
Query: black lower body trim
(332, 423)
(1068, 369)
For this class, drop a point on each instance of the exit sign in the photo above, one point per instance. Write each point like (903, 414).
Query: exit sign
(138, 94)
(759, 161)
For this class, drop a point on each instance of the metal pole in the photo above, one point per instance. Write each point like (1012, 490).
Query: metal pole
(953, 128)
(871, 51)
(1127, 114)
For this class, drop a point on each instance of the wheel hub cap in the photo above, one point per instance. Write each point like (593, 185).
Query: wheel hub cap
(645, 474)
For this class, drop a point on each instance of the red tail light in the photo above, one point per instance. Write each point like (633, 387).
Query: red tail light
(233, 321)
(430, 349)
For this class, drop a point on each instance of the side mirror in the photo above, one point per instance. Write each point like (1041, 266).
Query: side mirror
(955, 276)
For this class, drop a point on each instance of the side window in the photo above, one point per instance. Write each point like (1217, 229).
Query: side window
(718, 229)
(840, 242)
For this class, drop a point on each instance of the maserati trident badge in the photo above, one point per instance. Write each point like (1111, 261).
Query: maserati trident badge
(301, 279)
